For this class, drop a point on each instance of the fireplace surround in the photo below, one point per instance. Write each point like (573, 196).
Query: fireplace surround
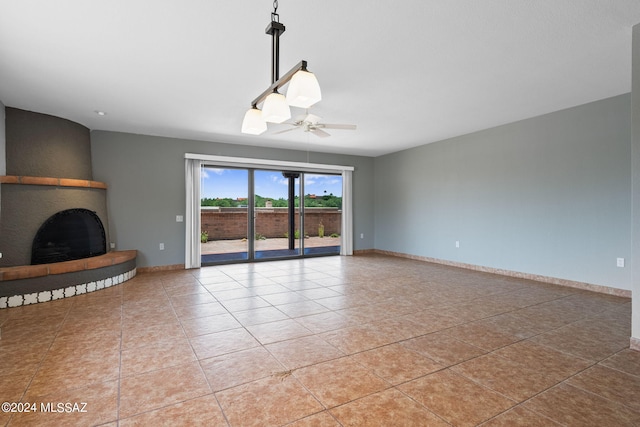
(49, 177)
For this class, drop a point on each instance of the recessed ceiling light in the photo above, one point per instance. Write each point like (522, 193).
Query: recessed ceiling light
(100, 113)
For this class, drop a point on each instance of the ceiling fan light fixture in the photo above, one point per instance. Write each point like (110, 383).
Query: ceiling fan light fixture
(253, 122)
(275, 108)
(304, 90)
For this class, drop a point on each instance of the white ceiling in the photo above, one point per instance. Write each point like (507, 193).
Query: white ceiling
(407, 73)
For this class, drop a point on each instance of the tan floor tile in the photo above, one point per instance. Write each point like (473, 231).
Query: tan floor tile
(14, 386)
(288, 297)
(483, 335)
(386, 408)
(22, 358)
(443, 348)
(236, 293)
(280, 330)
(355, 339)
(259, 315)
(70, 368)
(539, 334)
(339, 381)
(396, 363)
(432, 322)
(269, 401)
(156, 389)
(101, 401)
(192, 299)
(199, 310)
(339, 303)
(233, 369)
(571, 406)
(456, 399)
(543, 358)
(319, 293)
(510, 378)
(321, 419)
(399, 328)
(303, 351)
(271, 289)
(201, 411)
(143, 335)
(209, 325)
(514, 326)
(364, 313)
(544, 317)
(219, 343)
(626, 361)
(520, 417)
(610, 384)
(137, 360)
(324, 322)
(176, 289)
(302, 308)
(243, 304)
(584, 343)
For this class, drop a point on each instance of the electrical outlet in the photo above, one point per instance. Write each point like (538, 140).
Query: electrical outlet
(620, 262)
(112, 245)
(457, 243)
(179, 218)
(362, 235)
(162, 246)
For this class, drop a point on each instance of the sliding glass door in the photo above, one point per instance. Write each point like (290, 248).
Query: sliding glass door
(322, 214)
(276, 214)
(224, 214)
(256, 214)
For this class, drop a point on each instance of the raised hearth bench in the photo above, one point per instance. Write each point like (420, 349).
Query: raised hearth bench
(31, 284)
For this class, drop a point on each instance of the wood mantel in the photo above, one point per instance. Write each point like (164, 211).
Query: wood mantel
(57, 182)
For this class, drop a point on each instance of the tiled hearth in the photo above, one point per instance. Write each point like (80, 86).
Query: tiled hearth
(369, 340)
(31, 284)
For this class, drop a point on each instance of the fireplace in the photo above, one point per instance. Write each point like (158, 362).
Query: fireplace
(68, 235)
(49, 192)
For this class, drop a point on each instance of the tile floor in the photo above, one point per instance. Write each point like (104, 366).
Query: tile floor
(353, 341)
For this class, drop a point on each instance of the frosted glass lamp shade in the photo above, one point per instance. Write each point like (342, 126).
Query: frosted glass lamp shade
(253, 122)
(275, 109)
(304, 90)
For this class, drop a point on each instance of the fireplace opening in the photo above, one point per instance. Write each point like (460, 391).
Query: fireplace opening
(68, 235)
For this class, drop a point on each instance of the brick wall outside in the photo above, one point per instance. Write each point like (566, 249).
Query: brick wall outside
(231, 223)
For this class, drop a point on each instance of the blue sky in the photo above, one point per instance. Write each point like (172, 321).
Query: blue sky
(232, 183)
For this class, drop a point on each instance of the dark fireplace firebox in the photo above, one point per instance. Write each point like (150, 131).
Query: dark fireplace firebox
(68, 235)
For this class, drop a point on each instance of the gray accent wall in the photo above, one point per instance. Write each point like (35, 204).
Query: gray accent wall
(3, 142)
(546, 196)
(46, 146)
(145, 176)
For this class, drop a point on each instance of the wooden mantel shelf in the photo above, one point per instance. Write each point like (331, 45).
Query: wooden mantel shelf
(57, 182)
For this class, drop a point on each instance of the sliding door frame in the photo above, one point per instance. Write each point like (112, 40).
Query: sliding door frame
(194, 163)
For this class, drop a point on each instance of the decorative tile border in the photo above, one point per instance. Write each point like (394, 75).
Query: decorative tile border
(538, 278)
(69, 291)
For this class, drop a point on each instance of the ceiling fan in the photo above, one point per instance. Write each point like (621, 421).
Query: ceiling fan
(311, 123)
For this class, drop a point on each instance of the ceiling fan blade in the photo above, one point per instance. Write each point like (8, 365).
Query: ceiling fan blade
(320, 133)
(337, 126)
(286, 130)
